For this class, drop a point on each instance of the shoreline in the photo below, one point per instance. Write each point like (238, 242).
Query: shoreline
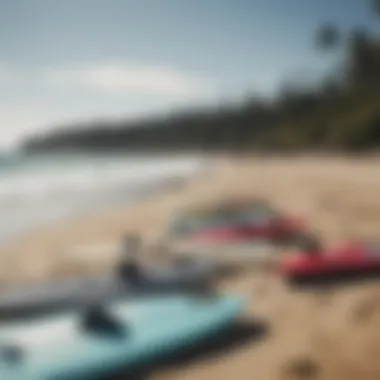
(337, 196)
(41, 196)
(47, 248)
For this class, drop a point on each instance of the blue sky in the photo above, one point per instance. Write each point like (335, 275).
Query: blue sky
(69, 60)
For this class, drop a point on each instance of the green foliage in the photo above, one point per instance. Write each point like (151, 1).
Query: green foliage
(327, 37)
(376, 7)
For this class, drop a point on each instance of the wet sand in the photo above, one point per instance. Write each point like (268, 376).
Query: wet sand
(288, 334)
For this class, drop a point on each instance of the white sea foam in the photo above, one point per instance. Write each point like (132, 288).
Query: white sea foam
(44, 190)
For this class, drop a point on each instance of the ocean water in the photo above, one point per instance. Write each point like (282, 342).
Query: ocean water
(40, 190)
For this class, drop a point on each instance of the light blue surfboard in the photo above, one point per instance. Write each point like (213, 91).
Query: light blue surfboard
(61, 348)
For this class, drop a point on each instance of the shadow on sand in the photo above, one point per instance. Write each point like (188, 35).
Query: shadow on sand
(335, 280)
(225, 342)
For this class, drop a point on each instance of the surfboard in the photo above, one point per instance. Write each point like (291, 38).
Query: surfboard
(73, 292)
(70, 346)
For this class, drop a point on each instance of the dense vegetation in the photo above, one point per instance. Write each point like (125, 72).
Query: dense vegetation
(341, 112)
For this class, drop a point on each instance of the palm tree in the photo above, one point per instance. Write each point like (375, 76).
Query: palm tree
(376, 7)
(327, 37)
(362, 57)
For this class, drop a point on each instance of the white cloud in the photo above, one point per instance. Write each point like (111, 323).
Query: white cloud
(19, 121)
(35, 107)
(134, 79)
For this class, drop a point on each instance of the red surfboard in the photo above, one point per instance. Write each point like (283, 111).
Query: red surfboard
(348, 259)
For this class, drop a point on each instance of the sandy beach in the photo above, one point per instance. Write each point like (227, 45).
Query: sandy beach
(331, 334)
